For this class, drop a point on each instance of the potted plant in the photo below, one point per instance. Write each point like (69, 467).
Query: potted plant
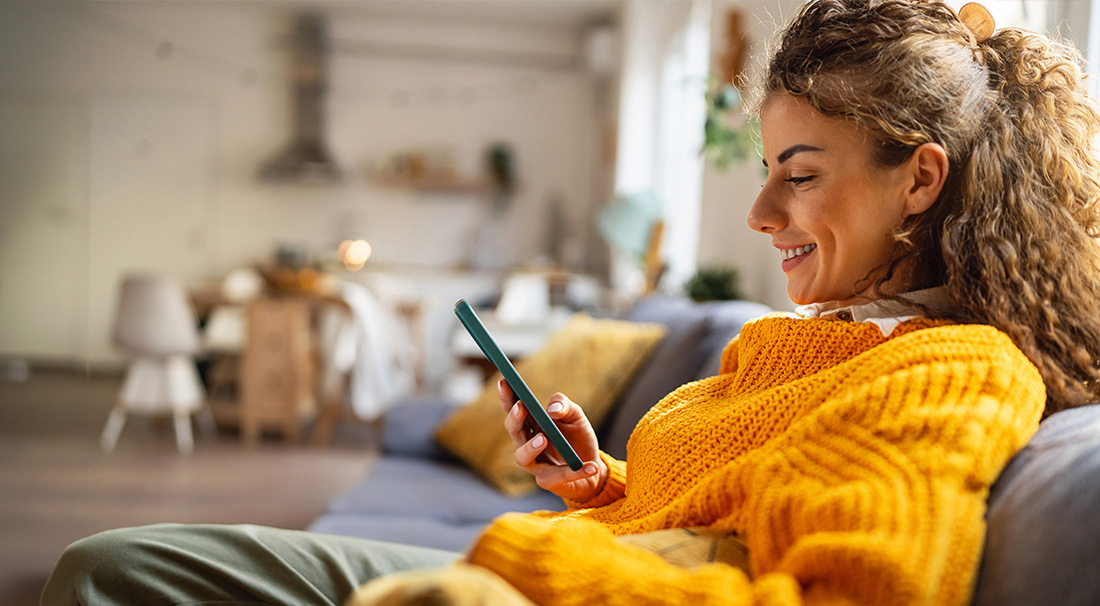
(714, 283)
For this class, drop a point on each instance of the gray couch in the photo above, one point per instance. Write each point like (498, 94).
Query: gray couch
(1043, 544)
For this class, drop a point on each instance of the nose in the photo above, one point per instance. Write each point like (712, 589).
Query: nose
(766, 216)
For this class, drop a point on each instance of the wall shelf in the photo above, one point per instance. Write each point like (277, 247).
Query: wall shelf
(440, 183)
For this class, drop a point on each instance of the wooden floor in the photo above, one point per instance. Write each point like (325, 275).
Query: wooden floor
(57, 486)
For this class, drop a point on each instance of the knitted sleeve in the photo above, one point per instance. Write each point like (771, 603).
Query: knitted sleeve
(613, 490)
(729, 357)
(877, 497)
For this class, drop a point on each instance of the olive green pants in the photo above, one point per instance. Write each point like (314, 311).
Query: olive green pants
(212, 564)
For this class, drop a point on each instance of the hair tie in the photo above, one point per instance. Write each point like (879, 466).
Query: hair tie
(978, 20)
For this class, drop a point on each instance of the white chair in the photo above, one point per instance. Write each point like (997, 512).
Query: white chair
(155, 324)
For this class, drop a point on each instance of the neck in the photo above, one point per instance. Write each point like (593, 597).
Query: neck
(899, 284)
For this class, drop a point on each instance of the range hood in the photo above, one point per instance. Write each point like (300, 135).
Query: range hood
(306, 159)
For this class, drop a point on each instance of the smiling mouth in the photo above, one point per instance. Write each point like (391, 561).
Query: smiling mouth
(791, 253)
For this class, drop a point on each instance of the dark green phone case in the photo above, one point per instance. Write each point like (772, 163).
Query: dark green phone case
(492, 351)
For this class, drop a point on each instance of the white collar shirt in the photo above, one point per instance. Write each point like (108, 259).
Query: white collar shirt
(885, 314)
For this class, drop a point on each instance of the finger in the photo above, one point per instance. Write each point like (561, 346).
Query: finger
(562, 409)
(507, 396)
(527, 452)
(515, 424)
(553, 476)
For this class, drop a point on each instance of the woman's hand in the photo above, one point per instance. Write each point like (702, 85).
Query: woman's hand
(549, 469)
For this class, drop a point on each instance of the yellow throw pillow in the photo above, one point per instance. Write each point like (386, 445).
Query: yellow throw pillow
(590, 360)
(691, 547)
(459, 584)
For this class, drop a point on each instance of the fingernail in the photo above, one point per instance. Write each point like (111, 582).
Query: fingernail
(555, 407)
(590, 469)
(500, 387)
(515, 409)
(537, 442)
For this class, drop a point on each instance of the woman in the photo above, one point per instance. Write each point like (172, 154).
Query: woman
(932, 197)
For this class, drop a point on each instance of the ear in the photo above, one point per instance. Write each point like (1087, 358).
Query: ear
(926, 170)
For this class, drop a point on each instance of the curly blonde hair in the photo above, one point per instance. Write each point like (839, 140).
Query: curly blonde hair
(1013, 234)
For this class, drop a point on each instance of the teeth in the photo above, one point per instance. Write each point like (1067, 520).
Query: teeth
(791, 253)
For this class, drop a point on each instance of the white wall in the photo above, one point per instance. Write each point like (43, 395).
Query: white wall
(169, 138)
(725, 237)
(660, 126)
(43, 243)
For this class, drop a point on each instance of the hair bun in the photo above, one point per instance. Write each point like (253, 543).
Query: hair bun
(978, 20)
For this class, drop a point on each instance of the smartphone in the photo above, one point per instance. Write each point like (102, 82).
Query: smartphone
(489, 347)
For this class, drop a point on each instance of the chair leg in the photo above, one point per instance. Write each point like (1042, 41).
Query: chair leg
(184, 440)
(113, 428)
(330, 414)
(250, 427)
(207, 424)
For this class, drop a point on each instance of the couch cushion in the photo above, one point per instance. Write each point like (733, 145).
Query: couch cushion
(665, 309)
(421, 532)
(435, 490)
(726, 319)
(1043, 540)
(591, 360)
(675, 361)
(697, 333)
(409, 427)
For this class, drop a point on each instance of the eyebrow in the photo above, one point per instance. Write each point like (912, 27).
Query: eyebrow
(792, 150)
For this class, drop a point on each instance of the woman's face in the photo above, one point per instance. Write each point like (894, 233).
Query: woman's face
(829, 208)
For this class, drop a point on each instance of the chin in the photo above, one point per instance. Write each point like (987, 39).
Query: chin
(805, 288)
(800, 299)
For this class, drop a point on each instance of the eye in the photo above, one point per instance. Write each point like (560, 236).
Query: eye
(798, 180)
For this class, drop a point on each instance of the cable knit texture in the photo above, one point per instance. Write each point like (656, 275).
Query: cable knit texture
(856, 466)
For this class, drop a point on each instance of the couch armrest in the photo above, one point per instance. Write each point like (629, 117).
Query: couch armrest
(1043, 539)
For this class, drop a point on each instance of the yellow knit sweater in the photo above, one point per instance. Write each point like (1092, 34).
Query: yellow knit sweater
(856, 467)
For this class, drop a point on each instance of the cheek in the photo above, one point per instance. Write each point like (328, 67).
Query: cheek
(813, 211)
(861, 218)
(821, 225)
(870, 238)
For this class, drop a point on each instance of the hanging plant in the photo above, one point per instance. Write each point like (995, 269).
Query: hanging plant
(723, 144)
